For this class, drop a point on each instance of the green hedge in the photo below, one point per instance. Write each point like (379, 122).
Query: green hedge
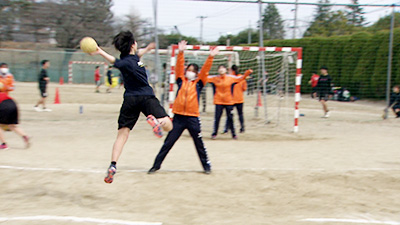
(358, 62)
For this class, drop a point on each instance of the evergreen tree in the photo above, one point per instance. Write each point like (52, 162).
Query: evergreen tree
(384, 23)
(321, 20)
(272, 23)
(355, 14)
(327, 23)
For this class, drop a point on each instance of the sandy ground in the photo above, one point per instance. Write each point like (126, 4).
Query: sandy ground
(345, 169)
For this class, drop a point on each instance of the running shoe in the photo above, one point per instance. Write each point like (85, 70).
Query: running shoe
(110, 174)
(326, 115)
(214, 136)
(234, 137)
(152, 170)
(47, 110)
(207, 171)
(3, 146)
(37, 109)
(155, 125)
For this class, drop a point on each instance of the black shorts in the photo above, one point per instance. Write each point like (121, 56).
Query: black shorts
(133, 105)
(8, 112)
(43, 92)
(323, 96)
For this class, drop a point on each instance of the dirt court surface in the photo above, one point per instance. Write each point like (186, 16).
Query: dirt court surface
(341, 170)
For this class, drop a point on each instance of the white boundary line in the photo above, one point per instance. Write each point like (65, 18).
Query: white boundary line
(75, 219)
(357, 221)
(185, 170)
(50, 169)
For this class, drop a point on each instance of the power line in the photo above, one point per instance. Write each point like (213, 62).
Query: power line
(302, 3)
(224, 11)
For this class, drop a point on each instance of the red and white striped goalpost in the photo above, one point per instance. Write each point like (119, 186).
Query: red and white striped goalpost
(70, 71)
(298, 50)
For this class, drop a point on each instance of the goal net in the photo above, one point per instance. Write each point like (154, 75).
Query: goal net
(82, 72)
(273, 88)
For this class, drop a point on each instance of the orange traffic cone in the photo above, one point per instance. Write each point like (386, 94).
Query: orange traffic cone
(61, 80)
(57, 98)
(259, 103)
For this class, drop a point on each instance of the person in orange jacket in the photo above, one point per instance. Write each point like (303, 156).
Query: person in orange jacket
(186, 107)
(223, 98)
(238, 98)
(6, 78)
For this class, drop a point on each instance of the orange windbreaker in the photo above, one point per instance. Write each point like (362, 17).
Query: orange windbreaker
(8, 83)
(223, 87)
(187, 98)
(238, 90)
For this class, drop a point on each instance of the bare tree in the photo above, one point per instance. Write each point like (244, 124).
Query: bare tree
(70, 20)
(142, 29)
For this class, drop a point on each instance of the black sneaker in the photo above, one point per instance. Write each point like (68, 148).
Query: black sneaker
(241, 130)
(152, 170)
(207, 171)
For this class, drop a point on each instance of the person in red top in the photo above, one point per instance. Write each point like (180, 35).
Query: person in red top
(97, 78)
(9, 117)
(238, 98)
(6, 78)
(314, 82)
(186, 107)
(223, 99)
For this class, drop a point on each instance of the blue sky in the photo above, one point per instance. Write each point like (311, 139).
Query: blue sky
(225, 17)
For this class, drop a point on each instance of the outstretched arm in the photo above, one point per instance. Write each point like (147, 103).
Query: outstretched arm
(180, 62)
(207, 65)
(246, 74)
(143, 51)
(105, 55)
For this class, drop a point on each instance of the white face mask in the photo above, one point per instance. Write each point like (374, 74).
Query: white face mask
(4, 70)
(190, 75)
(222, 70)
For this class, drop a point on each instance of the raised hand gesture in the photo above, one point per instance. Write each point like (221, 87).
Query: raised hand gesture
(182, 45)
(214, 51)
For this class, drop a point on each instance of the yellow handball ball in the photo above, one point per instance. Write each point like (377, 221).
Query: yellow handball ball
(88, 45)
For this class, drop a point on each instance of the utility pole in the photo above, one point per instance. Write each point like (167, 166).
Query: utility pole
(156, 56)
(249, 33)
(201, 28)
(295, 20)
(262, 58)
(389, 66)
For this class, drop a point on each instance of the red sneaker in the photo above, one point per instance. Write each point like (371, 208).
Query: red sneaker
(3, 147)
(155, 125)
(110, 174)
